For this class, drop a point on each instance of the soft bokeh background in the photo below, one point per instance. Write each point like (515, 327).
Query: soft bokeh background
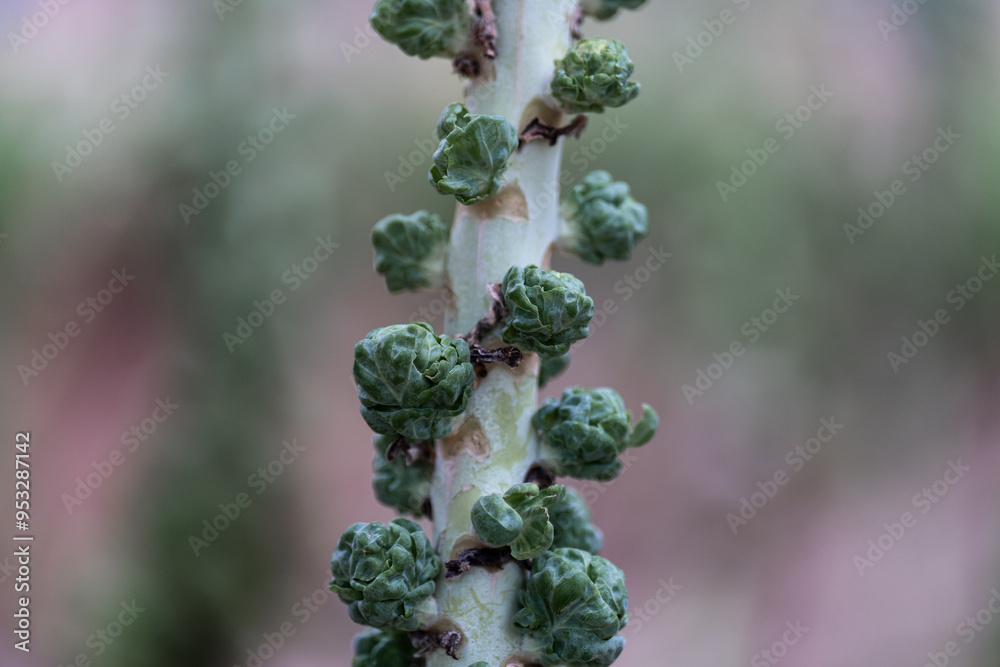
(360, 108)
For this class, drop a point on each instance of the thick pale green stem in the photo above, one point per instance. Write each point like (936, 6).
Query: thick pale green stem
(494, 446)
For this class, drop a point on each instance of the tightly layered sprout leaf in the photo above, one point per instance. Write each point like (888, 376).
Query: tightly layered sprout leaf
(594, 75)
(572, 525)
(403, 487)
(520, 518)
(410, 250)
(573, 607)
(455, 115)
(601, 220)
(384, 648)
(547, 310)
(602, 10)
(585, 430)
(423, 28)
(551, 367)
(412, 382)
(385, 573)
(472, 155)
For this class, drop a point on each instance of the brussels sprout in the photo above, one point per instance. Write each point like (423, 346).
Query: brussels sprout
(410, 250)
(398, 484)
(385, 573)
(473, 155)
(411, 381)
(601, 220)
(423, 28)
(602, 10)
(593, 75)
(573, 607)
(519, 518)
(585, 430)
(384, 648)
(547, 310)
(571, 523)
(551, 367)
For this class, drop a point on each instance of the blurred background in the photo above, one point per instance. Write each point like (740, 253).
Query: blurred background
(826, 497)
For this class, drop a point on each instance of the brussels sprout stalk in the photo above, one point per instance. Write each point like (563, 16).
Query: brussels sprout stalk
(516, 228)
(477, 591)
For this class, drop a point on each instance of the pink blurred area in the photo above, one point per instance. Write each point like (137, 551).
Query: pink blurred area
(827, 550)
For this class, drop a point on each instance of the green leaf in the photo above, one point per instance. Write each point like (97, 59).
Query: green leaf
(384, 572)
(496, 522)
(454, 116)
(585, 430)
(646, 428)
(423, 28)
(594, 75)
(571, 523)
(551, 367)
(384, 648)
(412, 382)
(410, 250)
(601, 220)
(406, 488)
(471, 158)
(574, 605)
(547, 310)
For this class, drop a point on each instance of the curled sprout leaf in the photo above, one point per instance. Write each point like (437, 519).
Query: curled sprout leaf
(573, 607)
(551, 367)
(404, 487)
(384, 648)
(547, 310)
(385, 573)
(594, 75)
(601, 220)
(472, 156)
(423, 28)
(602, 10)
(455, 115)
(410, 250)
(572, 525)
(412, 382)
(585, 430)
(497, 523)
(519, 518)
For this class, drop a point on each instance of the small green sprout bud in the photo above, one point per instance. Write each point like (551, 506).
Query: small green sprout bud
(585, 430)
(410, 250)
(593, 75)
(473, 155)
(423, 28)
(571, 522)
(402, 486)
(547, 310)
(601, 220)
(384, 648)
(496, 522)
(455, 115)
(385, 573)
(602, 10)
(573, 607)
(519, 518)
(551, 367)
(481, 663)
(412, 382)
